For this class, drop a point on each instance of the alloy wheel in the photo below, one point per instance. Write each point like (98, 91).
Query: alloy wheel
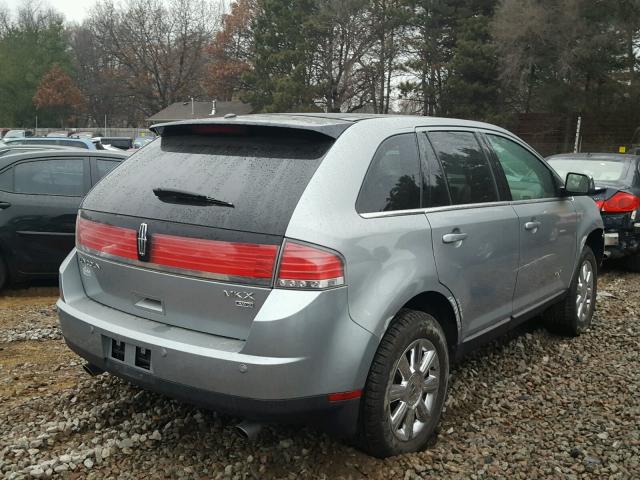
(413, 389)
(584, 293)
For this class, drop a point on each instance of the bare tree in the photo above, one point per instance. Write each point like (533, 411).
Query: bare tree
(157, 49)
(344, 39)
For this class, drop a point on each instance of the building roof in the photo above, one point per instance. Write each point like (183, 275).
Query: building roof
(182, 110)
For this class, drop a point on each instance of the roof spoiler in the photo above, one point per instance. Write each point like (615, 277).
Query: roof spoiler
(333, 128)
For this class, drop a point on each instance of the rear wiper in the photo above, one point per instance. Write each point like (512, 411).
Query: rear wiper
(180, 196)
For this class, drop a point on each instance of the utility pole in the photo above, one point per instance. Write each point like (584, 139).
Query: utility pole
(576, 145)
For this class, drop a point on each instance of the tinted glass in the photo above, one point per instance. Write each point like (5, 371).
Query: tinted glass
(465, 166)
(103, 167)
(527, 177)
(392, 182)
(50, 177)
(263, 174)
(435, 185)
(6, 180)
(600, 169)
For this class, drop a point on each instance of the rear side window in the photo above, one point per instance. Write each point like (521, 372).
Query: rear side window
(465, 166)
(393, 179)
(50, 177)
(261, 171)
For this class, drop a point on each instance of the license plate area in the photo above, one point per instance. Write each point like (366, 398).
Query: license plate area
(118, 350)
(139, 357)
(143, 358)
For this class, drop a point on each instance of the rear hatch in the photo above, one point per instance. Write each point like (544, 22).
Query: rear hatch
(202, 256)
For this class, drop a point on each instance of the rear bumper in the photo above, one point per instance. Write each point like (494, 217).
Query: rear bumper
(339, 418)
(284, 370)
(621, 243)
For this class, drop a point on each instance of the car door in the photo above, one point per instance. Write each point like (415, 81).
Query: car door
(475, 238)
(547, 224)
(44, 201)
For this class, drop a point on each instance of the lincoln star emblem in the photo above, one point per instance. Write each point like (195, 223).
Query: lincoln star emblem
(143, 244)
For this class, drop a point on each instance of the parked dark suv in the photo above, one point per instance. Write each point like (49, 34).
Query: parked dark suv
(325, 267)
(40, 191)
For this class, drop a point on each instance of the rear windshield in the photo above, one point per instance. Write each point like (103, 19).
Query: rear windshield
(263, 175)
(599, 169)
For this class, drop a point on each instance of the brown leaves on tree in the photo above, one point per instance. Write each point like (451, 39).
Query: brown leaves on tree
(58, 91)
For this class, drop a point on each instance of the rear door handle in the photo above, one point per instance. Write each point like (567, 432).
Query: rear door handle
(453, 237)
(532, 225)
(4, 205)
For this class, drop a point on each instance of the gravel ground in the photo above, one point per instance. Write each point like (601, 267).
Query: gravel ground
(532, 405)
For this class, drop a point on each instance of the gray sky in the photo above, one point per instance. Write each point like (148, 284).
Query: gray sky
(73, 10)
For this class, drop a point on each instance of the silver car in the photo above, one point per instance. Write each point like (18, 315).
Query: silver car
(324, 268)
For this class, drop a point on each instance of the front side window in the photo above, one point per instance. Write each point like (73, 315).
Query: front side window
(50, 177)
(465, 166)
(527, 177)
(392, 182)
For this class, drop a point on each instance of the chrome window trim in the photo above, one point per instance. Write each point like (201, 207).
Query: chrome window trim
(466, 206)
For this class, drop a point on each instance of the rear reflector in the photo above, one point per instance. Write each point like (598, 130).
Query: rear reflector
(303, 266)
(211, 258)
(339, 397)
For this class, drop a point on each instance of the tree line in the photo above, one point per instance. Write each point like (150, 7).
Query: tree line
(477, 59)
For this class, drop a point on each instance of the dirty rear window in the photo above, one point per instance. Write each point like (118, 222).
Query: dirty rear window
(263, 174)
(600, 169)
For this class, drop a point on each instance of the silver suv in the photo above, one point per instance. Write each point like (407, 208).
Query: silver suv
(324, 267)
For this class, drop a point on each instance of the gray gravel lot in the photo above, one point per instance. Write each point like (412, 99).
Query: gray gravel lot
(532, 405)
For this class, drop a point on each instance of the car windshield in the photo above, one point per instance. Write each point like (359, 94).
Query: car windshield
(140, 142)
(600, 169)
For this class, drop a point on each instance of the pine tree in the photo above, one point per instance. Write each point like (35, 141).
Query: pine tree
(472, 90)
(284, 40)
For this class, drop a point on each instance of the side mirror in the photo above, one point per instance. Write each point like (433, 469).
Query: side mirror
(578, 184)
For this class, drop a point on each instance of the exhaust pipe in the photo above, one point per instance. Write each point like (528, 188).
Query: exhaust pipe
(91, 369)
(248, 430)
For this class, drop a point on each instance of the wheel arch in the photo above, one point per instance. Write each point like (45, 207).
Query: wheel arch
(595, 241)
(444, 310)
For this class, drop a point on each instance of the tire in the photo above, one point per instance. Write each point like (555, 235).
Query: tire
(421, 391)
(572, 316)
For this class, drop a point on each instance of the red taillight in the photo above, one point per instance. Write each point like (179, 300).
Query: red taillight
(303, 266)
(106, 239)
(212, 256)
(221, 260)
(621, 202)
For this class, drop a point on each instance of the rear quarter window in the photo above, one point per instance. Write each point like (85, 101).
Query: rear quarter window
(393, 179)
(6, 180)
